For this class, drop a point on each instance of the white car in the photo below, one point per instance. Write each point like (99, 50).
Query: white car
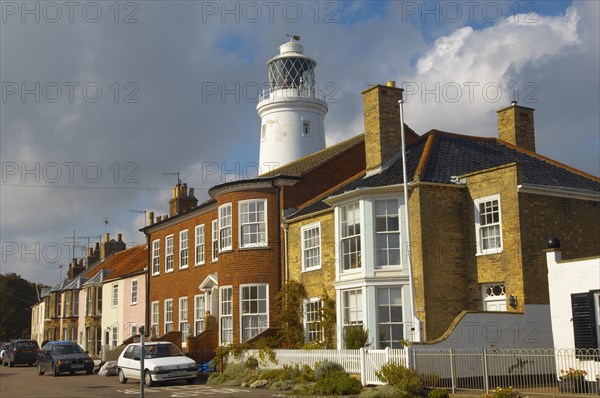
(163, 361)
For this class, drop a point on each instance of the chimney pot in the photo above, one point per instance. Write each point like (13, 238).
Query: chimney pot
(151, 218)
(90, 251)
(120, 237)
(391, 83)
(158, 218)
(107, 236)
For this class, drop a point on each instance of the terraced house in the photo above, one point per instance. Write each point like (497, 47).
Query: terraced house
(480, 211)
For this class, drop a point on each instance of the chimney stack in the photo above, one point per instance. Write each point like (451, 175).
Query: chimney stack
(515, 126)
(151, 218)
(110, 247)
(383, 137)
(182, 200)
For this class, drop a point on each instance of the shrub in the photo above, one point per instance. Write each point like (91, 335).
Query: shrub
(506, 393)
(336, 382)
(384, 391)
(430, 380)
(356, 337)
(308, 374)
(281, 385)
(215, 378)
(438, 393)
(400, 377)
(321, 369)
(251, 363)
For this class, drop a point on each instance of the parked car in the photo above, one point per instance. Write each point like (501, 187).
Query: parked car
(163, 361)
(21, 351)
(63, 357)
(3, 350)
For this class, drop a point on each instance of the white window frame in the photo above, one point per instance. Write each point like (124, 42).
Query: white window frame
(215, 241)
(183, 249)
(199, 309)
(75, 305)
(306, 258)
(306, 128)
(387, 233)
(312, 316)
(154, 316)
(156, 257)
(225, 314)
(199, 244)
(259, 314)
(345, 235)
(597, 313)
(479, 228)
(352, 309)
(169, 249)
(492, 297)
(390, 323)
(114, 337)
(225, 227)
(134, 292)
(183, 320)
(168, 316)
(241, 216)
(115, 295)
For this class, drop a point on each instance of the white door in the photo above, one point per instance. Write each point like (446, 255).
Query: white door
(494, 297)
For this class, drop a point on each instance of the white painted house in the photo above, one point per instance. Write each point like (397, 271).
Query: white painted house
(575, 308)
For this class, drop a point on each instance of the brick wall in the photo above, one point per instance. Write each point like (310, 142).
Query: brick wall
(575, 222)
(317, 280)
(439, 256)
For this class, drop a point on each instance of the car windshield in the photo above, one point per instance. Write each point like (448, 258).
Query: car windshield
(26, 344)
(162, 351)
(63, 349)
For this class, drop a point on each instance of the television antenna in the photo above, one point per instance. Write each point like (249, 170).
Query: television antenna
(142, 212)
(169, 173)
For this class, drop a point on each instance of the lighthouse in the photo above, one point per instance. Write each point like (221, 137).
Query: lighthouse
(292, 110)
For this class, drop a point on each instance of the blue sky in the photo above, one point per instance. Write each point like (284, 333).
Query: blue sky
(178, 82)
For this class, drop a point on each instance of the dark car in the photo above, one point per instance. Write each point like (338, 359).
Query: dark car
(63, 357)
(21, 351)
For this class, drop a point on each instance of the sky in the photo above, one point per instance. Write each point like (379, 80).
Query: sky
(103, 102)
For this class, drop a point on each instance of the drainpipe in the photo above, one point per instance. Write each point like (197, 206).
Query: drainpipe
(285, 249)
(278, 198)
(148, 267)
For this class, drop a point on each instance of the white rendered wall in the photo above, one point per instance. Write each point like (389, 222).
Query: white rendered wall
(565, 278)
(283, 140)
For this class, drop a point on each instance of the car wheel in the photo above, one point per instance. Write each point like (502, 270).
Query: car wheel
(89, 371)
(39, 369)
(148, 379)
(55, 371)
(190, 381)
(122, 378)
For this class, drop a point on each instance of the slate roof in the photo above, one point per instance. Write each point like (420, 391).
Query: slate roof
(132, 261)
(438, 156)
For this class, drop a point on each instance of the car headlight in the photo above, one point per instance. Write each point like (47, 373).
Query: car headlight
(160, 368)
(89, 360)
(63, 362)
(193, 367)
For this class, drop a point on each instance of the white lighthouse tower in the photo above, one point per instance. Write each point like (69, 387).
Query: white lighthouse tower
(292, 111)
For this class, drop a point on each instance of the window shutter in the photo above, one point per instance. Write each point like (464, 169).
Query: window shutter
(584, 324)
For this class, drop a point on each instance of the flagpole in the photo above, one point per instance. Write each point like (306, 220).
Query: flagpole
(415, 321)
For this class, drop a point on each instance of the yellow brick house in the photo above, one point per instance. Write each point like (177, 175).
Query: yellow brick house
(480, 212)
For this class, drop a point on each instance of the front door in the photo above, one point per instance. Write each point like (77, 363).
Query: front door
(494, 298)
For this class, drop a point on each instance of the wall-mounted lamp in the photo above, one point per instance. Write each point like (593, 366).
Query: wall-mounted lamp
(512, 300)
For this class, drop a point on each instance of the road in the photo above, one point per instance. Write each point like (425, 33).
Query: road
(23, 382)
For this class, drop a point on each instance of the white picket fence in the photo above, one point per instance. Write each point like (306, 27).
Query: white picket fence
(364, 362)
(530, 370)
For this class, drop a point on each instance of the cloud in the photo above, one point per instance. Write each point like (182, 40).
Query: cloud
(178, 93)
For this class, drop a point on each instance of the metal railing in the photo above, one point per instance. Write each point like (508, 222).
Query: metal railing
(541, 371)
